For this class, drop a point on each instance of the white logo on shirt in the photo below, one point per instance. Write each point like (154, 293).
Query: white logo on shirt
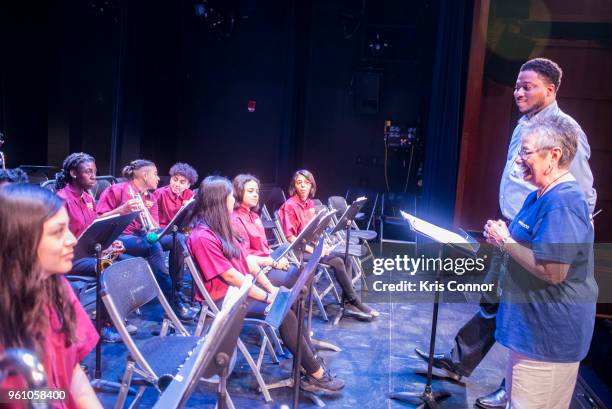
(523, 225)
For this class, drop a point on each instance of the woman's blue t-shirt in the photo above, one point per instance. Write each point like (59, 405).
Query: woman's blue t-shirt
(544, 321)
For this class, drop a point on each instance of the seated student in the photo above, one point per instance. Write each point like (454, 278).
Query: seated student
(295, 213)
(223, 263)
(73, 184)
(38, 309)
(170, 199)
(247, 223)
(130, 196)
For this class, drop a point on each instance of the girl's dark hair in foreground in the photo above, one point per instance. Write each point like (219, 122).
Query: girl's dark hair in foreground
(25, 294)
(210, 208)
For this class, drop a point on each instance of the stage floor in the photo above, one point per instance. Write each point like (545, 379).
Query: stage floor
(376, 358)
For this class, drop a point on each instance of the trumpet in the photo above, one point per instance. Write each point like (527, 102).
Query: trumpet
(148, 224)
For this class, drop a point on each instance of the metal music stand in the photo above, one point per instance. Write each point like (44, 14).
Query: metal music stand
(308, 234)
(281, 306)
(212, 357)
(464, 244)
(100, 235)
(322, 224)
(344, 224)
(174, 226)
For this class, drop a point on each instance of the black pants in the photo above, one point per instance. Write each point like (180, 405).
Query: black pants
(477, 336)
(342, 276)
(288, 333)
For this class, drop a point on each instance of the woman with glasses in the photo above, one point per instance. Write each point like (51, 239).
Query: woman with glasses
(547, 310)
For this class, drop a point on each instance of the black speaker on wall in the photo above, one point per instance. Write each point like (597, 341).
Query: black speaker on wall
(366, 87)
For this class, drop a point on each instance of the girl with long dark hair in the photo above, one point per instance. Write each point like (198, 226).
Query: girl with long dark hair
(223, 263)
(38, 309)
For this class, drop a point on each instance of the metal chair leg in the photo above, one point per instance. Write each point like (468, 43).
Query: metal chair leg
(126, 380)
(255, 370)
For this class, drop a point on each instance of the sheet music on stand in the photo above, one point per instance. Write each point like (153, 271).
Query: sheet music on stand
(287, 297)
(463, 242)
(303, 238)
(349, 214)
(102, 231)
(178, 219)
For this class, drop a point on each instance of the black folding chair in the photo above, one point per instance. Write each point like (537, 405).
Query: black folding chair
(127, 286)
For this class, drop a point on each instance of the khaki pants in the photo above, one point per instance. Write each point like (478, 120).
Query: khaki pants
(533, 384)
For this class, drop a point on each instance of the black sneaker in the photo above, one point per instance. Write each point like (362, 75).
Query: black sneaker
(326, 384)
(363, 307)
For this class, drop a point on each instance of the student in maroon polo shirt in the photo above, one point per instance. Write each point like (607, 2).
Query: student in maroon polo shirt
(215, 247)
(73, 183)
(248, 225)
(38, 309)
(141, 175)
(295, 213)
(170, 199)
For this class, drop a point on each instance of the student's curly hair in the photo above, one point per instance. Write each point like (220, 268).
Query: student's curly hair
(185, 170)
(13, 176)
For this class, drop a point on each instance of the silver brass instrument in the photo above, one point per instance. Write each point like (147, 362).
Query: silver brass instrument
(148, 224)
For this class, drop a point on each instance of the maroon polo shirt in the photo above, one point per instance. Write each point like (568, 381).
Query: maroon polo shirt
(169, 203)
(295, 214)
(118, 194)
(60, 360)
(249, 226)
(207, 251)
(81, 208)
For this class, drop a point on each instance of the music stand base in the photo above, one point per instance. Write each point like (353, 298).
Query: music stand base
(104, 386)
(423, 400)
(319, 345)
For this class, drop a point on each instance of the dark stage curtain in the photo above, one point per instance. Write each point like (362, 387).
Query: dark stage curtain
(445, 113)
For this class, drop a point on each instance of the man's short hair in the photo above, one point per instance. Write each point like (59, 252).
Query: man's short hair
(546, 68)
